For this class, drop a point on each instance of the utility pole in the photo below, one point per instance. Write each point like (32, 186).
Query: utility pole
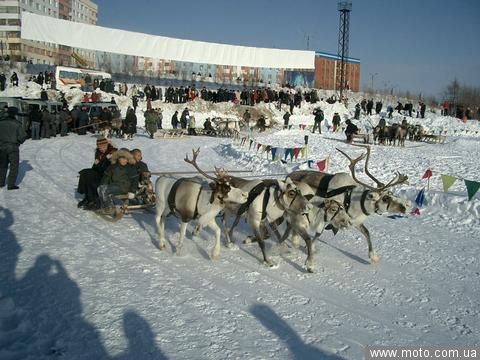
(343, 43)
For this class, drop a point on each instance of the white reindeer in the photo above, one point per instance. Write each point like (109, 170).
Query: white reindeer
(360, 199)
(194, 199)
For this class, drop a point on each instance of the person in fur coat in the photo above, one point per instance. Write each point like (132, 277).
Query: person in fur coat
(120, 178)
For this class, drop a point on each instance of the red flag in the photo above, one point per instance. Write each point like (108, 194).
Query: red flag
(259, 146)
(428, 174)
(322, 164)
(416, 211)
(296, 151)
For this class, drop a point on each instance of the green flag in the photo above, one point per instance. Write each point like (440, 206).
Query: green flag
(447, 182)
(472, 188)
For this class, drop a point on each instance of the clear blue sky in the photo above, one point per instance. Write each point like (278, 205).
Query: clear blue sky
(416, 45)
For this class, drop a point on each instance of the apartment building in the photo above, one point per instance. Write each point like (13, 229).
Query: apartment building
(36, 52)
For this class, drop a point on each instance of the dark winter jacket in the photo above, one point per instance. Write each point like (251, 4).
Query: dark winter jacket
(351, 129)
(125, 177)
(11, 133)
(175, 120)
(35, 116)
(141, 167)
(319, 116)
(103, 159)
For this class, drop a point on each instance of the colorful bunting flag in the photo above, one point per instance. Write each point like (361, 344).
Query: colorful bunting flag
(428, 174)
(416, 211)
(287, 152)
(310, 163)
(274, 151)
(420, 198)
(447, 182)
(296, 151)
(322, 165)
(251, 142)
(472, 188)
(258, 146)
(304, 152)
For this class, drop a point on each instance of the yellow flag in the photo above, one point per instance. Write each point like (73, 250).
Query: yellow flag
(447, 182)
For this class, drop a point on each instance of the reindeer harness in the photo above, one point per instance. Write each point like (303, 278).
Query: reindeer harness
(171, 201)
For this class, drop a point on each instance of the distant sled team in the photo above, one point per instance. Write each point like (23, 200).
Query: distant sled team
(306, 201)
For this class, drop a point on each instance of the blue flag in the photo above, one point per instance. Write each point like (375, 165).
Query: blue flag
(420, 198)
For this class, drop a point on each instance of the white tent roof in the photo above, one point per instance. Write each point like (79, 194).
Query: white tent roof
(85, 36)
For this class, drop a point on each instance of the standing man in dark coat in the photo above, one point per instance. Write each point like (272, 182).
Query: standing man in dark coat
(3, 80)
(319, 117)
(83, 120)
(184, 119)
(46, 123)
(369, 107)
(35, 121)
(357, 112)
(286, 119)
(12, 136)
(130, 124)
(175, 120)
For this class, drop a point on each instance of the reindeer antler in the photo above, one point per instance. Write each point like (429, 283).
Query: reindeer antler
(353, 162)
(378, 182)
(195, 165)
(397, 180)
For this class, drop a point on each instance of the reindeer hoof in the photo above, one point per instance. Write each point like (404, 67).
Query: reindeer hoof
(310, 267)
(249, 240)
(215, 255)
(161, 247)
(270, 264)
(374, 258)
(232, 246)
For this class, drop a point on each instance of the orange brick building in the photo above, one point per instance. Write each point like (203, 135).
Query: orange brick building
(326, 67)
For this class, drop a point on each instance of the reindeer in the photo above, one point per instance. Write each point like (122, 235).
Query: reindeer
(360, 199)
(268, 201)
(329, 212)
(194, 199)
(401, 134)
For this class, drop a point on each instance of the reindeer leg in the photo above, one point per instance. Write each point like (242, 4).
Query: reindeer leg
(234, 225)
(261, 243)
(216, 247)
(160, 221)
(310, 262)
(274, 226)
(372, 255)
(183, 230)
(228, 239)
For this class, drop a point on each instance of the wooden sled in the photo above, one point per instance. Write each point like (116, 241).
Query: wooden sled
(170, 133)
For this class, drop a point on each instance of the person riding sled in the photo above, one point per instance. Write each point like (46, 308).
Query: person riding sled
(121, 178)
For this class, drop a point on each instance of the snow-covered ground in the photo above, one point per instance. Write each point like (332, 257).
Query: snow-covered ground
(73, 286)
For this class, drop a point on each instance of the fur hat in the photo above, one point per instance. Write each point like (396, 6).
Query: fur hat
(102, 141)
(122, 153)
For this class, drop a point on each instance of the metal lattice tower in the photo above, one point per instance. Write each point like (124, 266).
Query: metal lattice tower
(343, 41)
